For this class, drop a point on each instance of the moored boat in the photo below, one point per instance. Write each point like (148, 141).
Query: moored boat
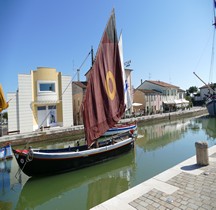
(102, 89)
(211, 106)
(211, 96)
(39, 162)
(121, 128)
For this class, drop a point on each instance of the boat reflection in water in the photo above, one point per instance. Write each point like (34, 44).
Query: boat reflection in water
(209, 124)
(5, 169)
(84, 188)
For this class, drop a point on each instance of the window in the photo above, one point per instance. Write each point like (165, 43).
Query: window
(48, 87)
(41, 108)
(51, 107)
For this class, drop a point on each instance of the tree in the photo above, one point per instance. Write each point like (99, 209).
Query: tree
(5, 115)
(193, 89)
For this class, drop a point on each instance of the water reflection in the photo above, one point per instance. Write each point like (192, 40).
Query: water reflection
(5, 168)
(84, 188)
(209, 124)
(159, 135)
(158, 147)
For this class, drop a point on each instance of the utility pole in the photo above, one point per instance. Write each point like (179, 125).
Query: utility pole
(92, 55)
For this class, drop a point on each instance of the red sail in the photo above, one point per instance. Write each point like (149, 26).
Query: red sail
(104, 99)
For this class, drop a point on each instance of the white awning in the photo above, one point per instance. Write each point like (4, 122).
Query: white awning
(181, 101)
(177, 102)
(169, 102)
(136, 104)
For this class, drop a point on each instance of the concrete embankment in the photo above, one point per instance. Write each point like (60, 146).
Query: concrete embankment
(77, 132)
(53, 134)
(193, 112)
(187, 185)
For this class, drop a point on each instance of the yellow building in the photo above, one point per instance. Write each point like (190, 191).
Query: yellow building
(79, 89)
(43, 99)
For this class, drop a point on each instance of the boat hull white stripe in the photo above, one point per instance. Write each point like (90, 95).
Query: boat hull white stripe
(77, 154)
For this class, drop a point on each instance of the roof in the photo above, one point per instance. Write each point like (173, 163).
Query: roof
(163, 84)
(149, 91)
(127, 69)
(207, 86)
(181, 90)
(81, 84)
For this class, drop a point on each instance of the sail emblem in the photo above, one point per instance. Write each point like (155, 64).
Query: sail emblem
(110, 78)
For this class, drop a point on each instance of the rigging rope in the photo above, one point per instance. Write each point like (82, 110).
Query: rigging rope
(203, 51)
(76, 73)
(212, 55)
(212, 59)
(60, 98)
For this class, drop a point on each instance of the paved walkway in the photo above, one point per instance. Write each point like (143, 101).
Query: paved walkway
(186, 186)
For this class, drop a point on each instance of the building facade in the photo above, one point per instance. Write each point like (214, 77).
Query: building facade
(79, 89)
(160, 96)
(151, 101)
(43, 99)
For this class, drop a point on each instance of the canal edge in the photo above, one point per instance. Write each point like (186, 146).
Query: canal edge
(167, 189)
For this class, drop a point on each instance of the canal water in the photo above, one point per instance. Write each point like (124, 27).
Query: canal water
(157, 148)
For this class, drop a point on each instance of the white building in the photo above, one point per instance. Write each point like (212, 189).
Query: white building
(43, 98)
(168, 96)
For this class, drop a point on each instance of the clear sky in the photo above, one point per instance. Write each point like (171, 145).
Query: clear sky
(165, 40)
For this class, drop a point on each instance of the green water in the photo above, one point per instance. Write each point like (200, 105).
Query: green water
(157, 148)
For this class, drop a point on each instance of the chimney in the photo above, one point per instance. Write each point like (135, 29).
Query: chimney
(78, 76)
(141, 81)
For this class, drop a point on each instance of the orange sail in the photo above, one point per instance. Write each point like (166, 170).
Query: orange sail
(3, 103)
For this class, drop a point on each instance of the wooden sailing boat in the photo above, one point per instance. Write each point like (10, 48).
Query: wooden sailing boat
(123, 127)
(211, 103)
(211, 97)
(5, 149)
(103, 107)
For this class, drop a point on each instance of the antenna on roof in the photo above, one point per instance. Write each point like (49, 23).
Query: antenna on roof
(149, 76)
(127, 63)
(78, 75)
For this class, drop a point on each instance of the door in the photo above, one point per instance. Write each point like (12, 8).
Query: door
(42, 121)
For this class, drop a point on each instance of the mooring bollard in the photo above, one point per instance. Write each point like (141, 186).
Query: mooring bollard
(202, 153)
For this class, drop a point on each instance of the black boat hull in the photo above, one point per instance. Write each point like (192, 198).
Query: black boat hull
(49, 162)
(211, 106)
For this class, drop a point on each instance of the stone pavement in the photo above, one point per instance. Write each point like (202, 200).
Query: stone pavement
(186, 186)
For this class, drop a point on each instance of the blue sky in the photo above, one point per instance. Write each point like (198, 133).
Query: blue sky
(165, 40)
